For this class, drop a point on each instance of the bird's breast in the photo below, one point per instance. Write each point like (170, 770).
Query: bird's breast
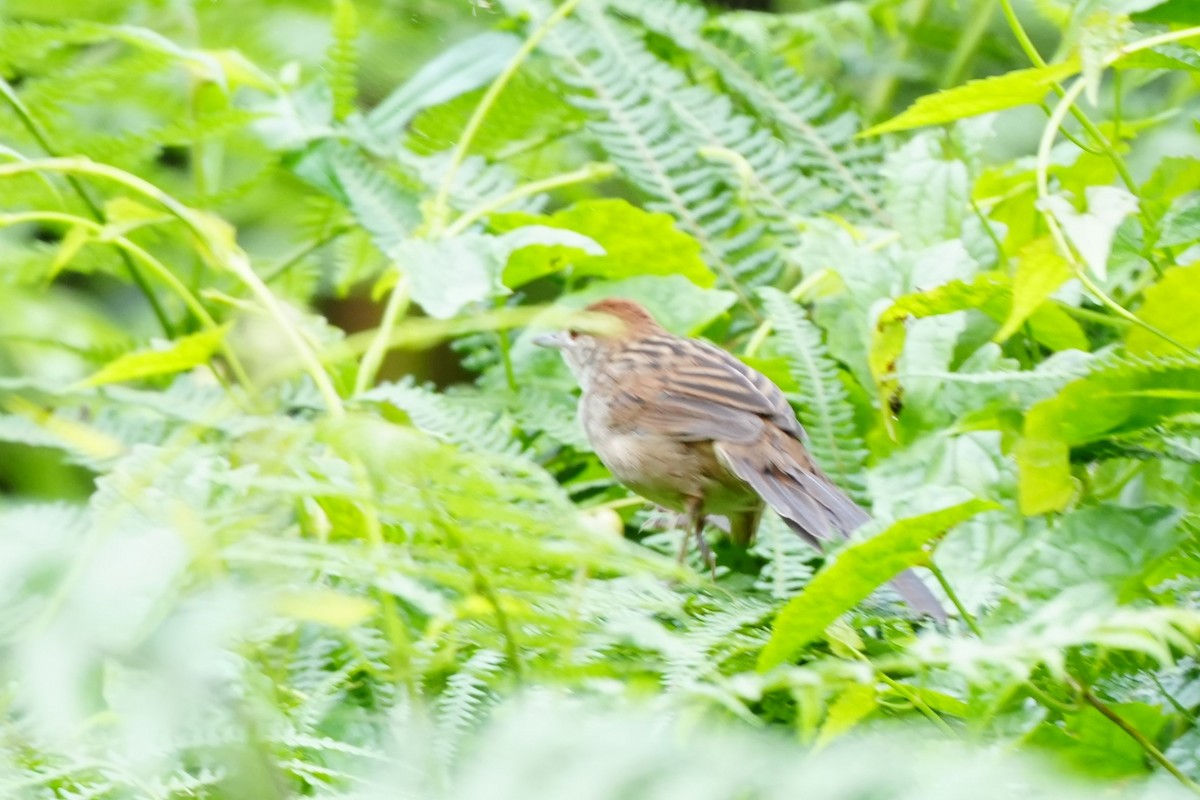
(664, 469)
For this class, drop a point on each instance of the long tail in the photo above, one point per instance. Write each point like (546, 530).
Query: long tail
(811, 505)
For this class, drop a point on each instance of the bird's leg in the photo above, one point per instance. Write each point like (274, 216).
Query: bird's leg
(695, 512)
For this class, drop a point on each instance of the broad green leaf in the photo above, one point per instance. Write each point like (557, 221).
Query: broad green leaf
(1092, 231)
(1108, 544)
(1122, 399)
(1040, 271)
(854, 573)
(634, 242)
(178, 355)
(1172, 12)
(1170, 305)
(1181, 225)
(461, 68)
(1095, 746)
(978, 97)
(448, 274)
(927, 194)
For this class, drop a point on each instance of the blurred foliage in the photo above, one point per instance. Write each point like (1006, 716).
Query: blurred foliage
(962, 236)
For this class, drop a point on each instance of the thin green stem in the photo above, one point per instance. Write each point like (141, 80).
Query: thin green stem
(591, 172)
(43, 139)
(1133, 733)
(303, 251)
(884, 88)
(137, 253)
(967, 617)
(440, 207)
(968, 42)
(217, 247)
(397, 304)
(1069, 97)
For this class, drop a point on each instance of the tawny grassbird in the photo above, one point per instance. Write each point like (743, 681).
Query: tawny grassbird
(688, 426)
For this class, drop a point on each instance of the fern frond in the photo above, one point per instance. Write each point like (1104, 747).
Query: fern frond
(466, 697)
(342, 58)
(825, 406)
(804, 113)
(467, 421)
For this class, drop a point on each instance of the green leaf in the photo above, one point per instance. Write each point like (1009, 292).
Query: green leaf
(174, 356)
(856, 702)
(927, 195)
(462, 68)
(1122, 399)
(1181, 225)
(978, 97)
(448, 274)
(635, 242)
(854, 573)
(1092, 231)
(1040, 272)
(1172, 12)
(1094, 745)
(1170, 306)
(990, 293)
(1108, 544)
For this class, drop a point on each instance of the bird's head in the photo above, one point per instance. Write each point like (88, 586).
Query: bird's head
(607, 326)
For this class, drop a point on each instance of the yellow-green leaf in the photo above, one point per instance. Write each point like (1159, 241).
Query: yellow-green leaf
(855, 573)
(1170, 306)
(325, 607)
(178, 355)
(854, 704)
(1040, 271)
(978, 97)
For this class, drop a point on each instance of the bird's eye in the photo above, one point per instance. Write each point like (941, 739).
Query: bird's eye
(572, 335)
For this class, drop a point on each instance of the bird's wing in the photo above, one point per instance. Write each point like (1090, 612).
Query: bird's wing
(694, 391)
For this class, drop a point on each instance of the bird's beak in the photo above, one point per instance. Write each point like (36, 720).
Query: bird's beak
(557, 340)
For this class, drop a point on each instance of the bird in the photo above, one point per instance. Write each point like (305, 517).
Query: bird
(688, 426)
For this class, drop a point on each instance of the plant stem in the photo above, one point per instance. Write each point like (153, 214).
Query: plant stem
(591, 172)
(968, 42)
(397, 304)
(764, 328)
(43, 139)
(1135, 734)
(440, 206)
(967, 617)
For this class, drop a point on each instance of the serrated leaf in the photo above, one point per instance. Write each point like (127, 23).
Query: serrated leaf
(856, 572)
(926, 194)
(1107, 544)
(978, 97)
(177, 355)
(990, 293)
(635, 242)
(1040, 271)
(1170, 306)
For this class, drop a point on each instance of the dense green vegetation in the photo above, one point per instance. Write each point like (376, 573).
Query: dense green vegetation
(293, 507)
